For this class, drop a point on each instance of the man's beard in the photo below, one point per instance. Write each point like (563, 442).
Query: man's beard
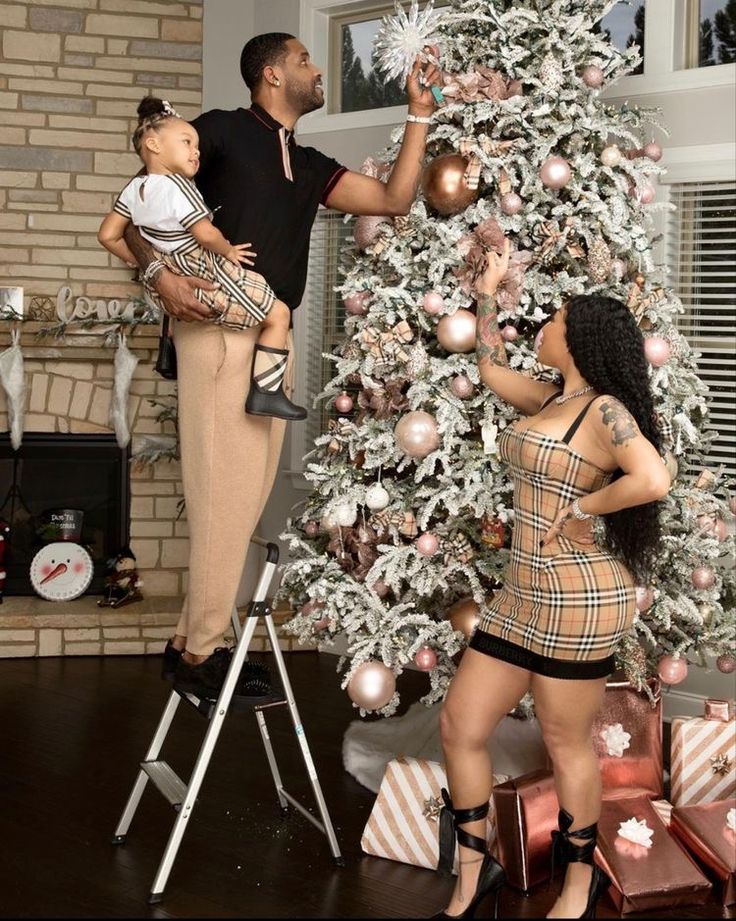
(303, 98)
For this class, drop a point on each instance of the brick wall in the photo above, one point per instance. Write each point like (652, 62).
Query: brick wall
(73, 72)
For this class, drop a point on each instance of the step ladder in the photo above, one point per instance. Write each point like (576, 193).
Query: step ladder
(183, 796)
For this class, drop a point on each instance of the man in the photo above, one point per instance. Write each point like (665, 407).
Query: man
(266, 189)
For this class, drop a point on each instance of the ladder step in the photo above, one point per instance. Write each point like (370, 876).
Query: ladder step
(166, 781)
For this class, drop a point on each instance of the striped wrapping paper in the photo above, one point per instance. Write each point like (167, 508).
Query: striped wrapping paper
(703, 757)
(398, 828)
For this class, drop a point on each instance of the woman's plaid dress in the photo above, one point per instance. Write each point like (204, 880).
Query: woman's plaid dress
(564, 607)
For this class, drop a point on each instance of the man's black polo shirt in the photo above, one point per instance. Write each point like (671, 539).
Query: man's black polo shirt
(264, 189)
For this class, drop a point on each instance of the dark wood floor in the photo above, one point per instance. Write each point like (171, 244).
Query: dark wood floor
(71, 733)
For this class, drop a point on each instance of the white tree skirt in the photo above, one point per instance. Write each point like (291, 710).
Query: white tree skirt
(516, 746)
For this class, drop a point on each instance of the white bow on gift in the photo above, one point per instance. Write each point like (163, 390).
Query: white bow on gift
(617, 740)
(638, 832)
(11, 377)
(731, 819)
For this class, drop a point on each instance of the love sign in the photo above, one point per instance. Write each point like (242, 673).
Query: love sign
(86, 308)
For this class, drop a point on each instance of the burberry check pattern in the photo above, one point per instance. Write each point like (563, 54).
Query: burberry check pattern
(566, 602)
(269, 366)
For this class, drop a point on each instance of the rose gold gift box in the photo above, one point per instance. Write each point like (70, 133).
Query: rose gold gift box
(644, 879)
(703, 831)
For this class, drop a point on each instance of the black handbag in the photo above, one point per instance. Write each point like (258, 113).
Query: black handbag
(166, 358)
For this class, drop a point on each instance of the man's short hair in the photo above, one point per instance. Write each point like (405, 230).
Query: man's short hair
(262, 51)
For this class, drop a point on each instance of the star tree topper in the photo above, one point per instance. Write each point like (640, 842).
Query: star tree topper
(401, 38)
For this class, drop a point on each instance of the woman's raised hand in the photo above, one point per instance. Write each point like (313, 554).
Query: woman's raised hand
(496, 267)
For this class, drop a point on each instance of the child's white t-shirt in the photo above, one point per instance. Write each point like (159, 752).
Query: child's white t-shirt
(163, 208)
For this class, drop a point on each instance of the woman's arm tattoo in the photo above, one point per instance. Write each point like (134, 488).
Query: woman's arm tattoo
(489, 344)
(621, 420)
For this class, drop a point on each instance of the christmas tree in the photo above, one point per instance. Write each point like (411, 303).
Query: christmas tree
(405, 535)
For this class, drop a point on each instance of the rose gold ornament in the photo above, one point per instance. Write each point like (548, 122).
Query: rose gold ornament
(647, 193)
(672, 670)
(464, 616)
(381, 588)
(344, 403)
(657, 351)
(311, 528)
(456, 331)
(644, 597)
(427, 544)
(653, 151)
(311, 607)
(367, 229)
(416, 434)
(555, 172)
(444, 185)
(320, 625)
(432, 302)
(372, 685)
(357, 304)
(703, 577)
(510, 333)
(611, 156)
(726, 664)
(511, 203)
(462, 387)
(593, 76)
(425, 659)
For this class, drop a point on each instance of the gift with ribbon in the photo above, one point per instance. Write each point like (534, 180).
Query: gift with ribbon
(708, 832)
(703, 756)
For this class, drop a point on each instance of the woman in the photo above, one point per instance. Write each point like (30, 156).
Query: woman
(588, 447)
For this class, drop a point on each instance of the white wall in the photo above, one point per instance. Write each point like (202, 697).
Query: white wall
(694, 117)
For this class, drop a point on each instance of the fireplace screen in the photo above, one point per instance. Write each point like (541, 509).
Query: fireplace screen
(43, 488)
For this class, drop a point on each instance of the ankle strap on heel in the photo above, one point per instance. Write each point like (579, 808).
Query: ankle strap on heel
(450, 832)
(564, 850)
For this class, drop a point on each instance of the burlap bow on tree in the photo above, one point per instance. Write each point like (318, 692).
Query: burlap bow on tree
(387, 346)
(404, 522)
(456, 547)
(340, 429)
(471, 148)
(552, 236)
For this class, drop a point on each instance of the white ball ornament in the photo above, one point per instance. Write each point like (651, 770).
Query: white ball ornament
(376, 497)
(593, 76)
(555, 172)
(611, 156)
(345, 514)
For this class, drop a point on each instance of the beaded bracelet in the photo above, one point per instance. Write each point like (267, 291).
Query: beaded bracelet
(152, 270)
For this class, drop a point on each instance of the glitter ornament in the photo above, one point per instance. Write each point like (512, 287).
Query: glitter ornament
(462, 387)
(593, 76)
(418, 361)
(653, 151)
(619, 269)
(644, 597)
(344, 403)
(510, 333)
(555, 172)
(657, 351)
(703, 577)
(464, 616)
(345, 514)
(511, 203)
(367, 230)
(611, 156)
(311, 529)
(425, 659)
(401, 38)
(599, 261)
(372, 685)
(551, 74)
(672, 670)
(381, 588)
(416, 434)
(376, 497)
(726, 664)
(427, 544)
(445, 187)
(357, 304)
(456, 331)
(432, 303)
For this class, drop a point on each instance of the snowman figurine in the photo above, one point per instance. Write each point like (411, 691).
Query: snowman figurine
(61, 571)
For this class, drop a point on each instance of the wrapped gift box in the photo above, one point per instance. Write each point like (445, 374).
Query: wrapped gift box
(703, 757)
(404, 822)
(627, 737)
(646, 878)
(526, 814)
(704, 832)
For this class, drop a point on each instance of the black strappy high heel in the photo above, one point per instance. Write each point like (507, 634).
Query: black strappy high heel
(492, 876)
(565, 851)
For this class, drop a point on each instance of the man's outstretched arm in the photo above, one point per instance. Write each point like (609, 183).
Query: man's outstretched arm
(176, 291)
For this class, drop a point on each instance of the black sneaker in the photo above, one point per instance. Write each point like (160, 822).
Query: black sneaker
(206, 679)
(171, 659)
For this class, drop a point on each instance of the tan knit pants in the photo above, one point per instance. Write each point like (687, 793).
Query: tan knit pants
(229, 462)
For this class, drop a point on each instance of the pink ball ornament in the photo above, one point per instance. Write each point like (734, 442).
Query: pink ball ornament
(511, 203)
(320, 625)
(726, 664)
(381, 588)
(720, 529)
(703, 577)
(311, 528)
(344, 403)
(647, 193)
(456, 331)
(672, 670)
(644, 597)
(657, 351)
(555, 172)
(416, 434)
(593, 76)
(311, 607)
(433, 302)
(510, 333)
(427, 544)
(425, 659)
(653, 151)
(372, 685)
(357, 304)
(462, 387)
(367, 229)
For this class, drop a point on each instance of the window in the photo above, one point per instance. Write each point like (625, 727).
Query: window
(702, 246)
(711, 33)
(360, 86)
(624, 26)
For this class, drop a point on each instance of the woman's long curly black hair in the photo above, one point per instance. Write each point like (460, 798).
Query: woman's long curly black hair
(608, 350)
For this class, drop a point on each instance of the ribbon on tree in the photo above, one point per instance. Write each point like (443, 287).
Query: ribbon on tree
(387, 346)
(553, 237)
(473, 149)
(404, 522)
(456, 547)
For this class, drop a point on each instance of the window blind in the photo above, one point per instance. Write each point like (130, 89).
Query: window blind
(701, 237)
